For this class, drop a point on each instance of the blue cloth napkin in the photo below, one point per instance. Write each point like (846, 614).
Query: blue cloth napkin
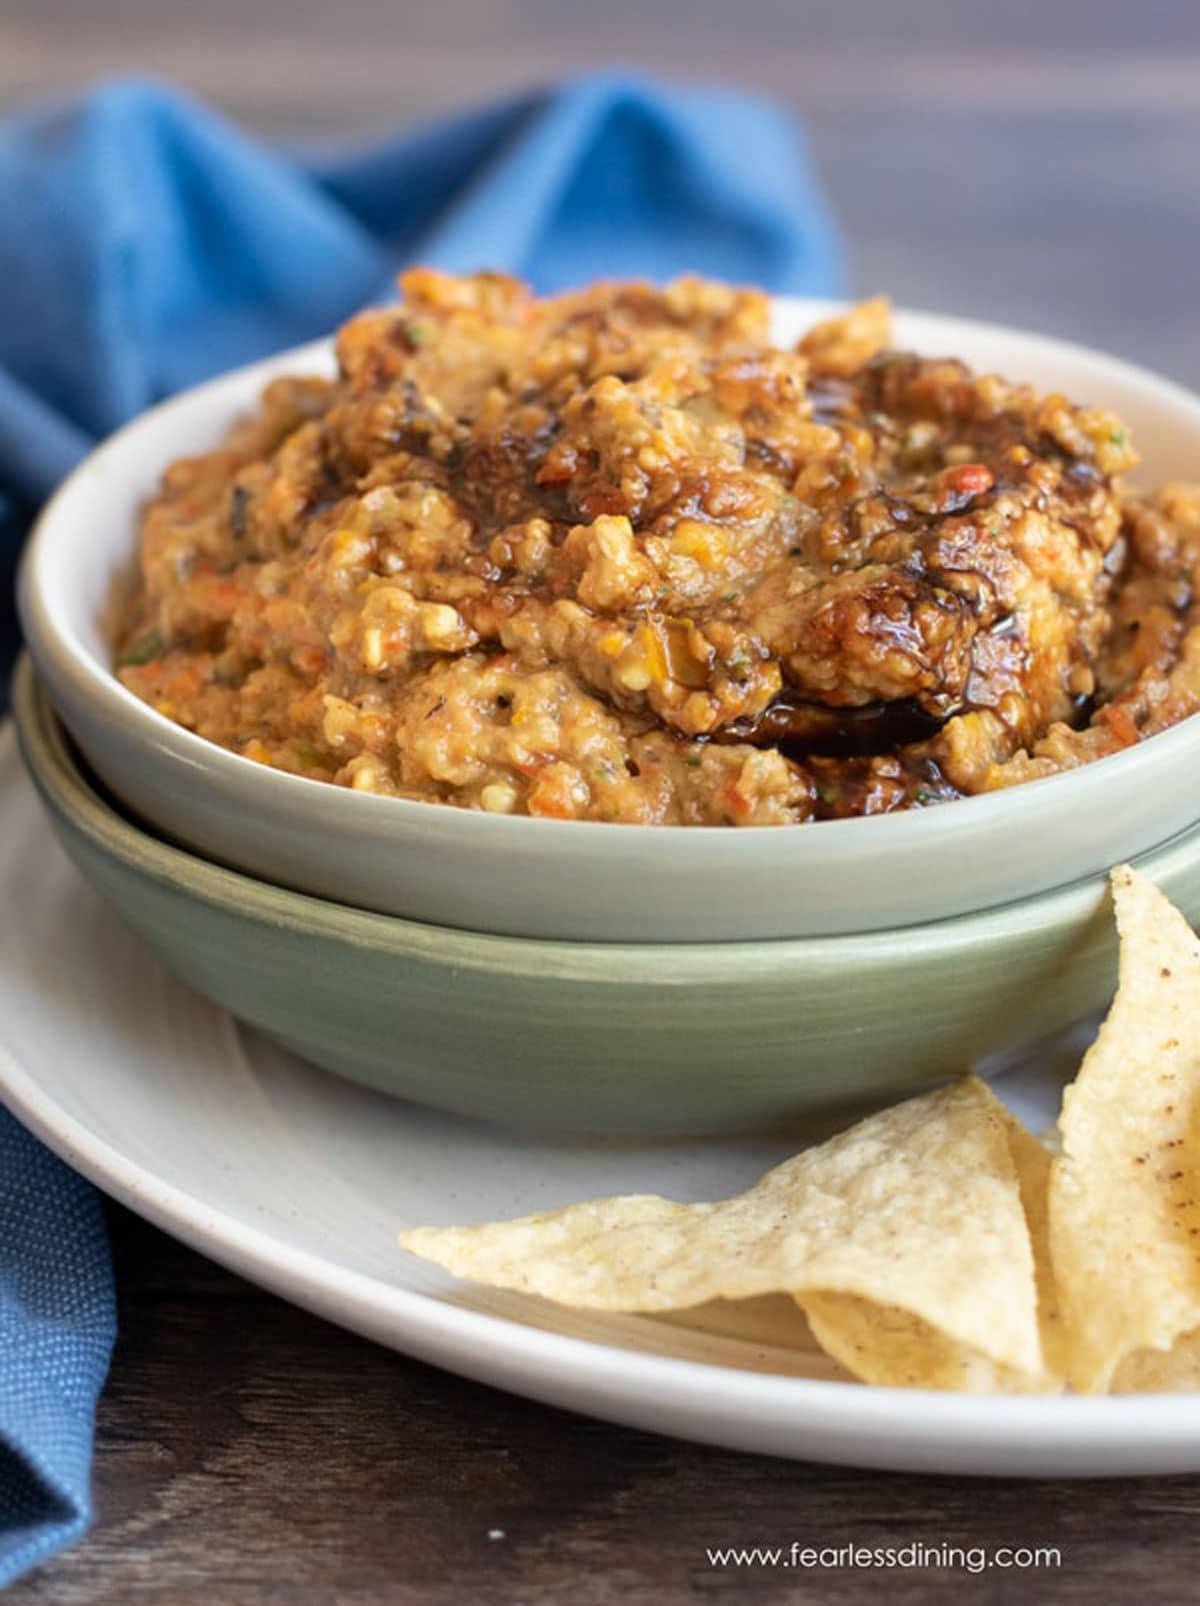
(57, 1323)
(145, 244)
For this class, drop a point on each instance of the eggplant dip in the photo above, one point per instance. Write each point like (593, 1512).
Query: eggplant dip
(614, 555)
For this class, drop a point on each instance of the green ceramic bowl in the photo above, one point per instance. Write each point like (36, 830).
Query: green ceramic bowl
(650, 1039)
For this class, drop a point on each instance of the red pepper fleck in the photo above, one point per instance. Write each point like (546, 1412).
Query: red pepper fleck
(972, 479)
(1120, 722)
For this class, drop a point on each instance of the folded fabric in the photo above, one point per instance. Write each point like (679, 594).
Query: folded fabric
(57, 1324)
(147, 244)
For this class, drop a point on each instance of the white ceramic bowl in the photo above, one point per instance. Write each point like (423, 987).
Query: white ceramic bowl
(569, 879)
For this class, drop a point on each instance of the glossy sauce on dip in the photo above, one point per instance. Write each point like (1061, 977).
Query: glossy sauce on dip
(615, 556)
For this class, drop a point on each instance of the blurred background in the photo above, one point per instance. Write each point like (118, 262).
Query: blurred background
(1035, 161)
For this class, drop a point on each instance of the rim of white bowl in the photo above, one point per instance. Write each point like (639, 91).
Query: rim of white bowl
(96, 683)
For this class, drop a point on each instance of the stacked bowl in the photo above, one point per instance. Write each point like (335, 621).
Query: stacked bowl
(603, 977)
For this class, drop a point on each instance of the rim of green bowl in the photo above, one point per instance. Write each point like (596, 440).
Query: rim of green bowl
(66, 789)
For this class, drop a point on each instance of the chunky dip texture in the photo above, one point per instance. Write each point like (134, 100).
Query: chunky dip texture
(616, 556)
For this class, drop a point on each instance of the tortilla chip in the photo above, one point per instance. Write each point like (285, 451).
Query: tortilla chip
(1155, 1371)
(1125, 1195)
(915, 1212)
(1033, 1163)
(883, 1345)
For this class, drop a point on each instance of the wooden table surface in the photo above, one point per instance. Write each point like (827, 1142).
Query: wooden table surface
(1031, 161)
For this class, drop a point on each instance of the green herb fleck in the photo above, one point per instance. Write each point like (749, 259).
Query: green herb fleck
(739, 668)
(694, 763)
(924, 797)
(1118, 437)
(417, 334)
(142, 651)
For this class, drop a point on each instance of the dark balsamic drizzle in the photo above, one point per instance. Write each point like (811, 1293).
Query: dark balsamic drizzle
(800, 730)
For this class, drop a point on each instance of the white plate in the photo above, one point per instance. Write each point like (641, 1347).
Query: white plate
(301, 1182)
